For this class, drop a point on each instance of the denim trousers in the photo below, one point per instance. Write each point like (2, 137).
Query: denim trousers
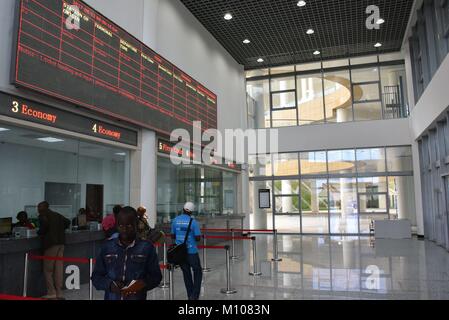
(193, 285)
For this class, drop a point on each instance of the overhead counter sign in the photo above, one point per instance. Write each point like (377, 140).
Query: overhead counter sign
(24, 109)
(167, 147)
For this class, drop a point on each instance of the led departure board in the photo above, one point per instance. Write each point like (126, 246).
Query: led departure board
(68, 50)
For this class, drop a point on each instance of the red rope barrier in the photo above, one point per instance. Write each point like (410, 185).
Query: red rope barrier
(227, 238)
(75, 260)
(255, 230)
(163, 266)
(236, 230)
(10, 297)
(211, 247)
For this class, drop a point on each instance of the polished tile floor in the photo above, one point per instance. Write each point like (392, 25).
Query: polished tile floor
(315, 267)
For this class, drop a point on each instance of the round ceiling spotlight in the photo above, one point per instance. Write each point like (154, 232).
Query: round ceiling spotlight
(317, 52)
(380, 21)
(301, 3)
(228, 16)
(378, 45)
(260, 60)
(246, 41)
(310, 31)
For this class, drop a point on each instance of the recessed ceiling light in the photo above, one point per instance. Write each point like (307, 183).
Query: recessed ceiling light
(378, 45)
(380, 21)
(317, 52)
(246, 41)
(228, 16)
(301, 3)
(123, 154)
(50, 139)
(310, 31)
(3, 129)
(260, 60)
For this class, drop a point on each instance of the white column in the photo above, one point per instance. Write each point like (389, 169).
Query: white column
(344, 114)
(348, 253)
(260, 215)
(403, 211)
(127, 178)
(259, 112)
(343, 200)
(287, 203)
(144, 175)
(314, 197)
(243, 196)
(418, 195)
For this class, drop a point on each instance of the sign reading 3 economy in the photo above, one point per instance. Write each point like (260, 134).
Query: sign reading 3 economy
(68, 50)
(24, 109)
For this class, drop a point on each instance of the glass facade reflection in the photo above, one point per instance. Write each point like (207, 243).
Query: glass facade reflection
(334, 191)
(336, 91)
(213, 191)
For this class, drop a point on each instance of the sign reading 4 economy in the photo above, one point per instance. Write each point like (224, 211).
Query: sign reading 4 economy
(70, 51)
(24, 109)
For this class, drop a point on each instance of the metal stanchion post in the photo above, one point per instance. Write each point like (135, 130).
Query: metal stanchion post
(91, 270)
(171, 294)
(233, 256)
(228, 289)
(205, 268)
(164, 284)
(25, 276)
(255, 272)
(275, 247)
(227, 225)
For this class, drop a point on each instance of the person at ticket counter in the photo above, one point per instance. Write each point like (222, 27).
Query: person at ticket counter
(80, 221)
(109, 223)
(127, 268)
(52, 227)
(92, 216)
(179, 229)
(143, 228)
(22, 217)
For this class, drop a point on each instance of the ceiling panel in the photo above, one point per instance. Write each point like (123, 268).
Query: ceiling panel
(277, 28)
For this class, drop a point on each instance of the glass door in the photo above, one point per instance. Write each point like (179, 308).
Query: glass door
(287, 217)
(445, 219)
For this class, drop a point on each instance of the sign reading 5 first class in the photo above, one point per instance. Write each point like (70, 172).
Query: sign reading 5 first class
(98, 65)
(167, 147)
(28, 110)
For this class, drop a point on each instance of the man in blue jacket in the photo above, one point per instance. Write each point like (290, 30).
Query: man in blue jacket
(127, 268)
(179, 229)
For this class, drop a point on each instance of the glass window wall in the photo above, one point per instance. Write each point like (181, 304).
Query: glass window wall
(285, 164)
(338, 191)
(330, 92)
(315, 206)
(68, 173)
(338, 96)
(310, 99)
(259, 92)
(213, 191)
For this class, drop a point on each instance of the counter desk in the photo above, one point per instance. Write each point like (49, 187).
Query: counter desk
(79, 244)
(215, 222)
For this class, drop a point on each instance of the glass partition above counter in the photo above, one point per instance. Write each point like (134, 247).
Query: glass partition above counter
(212, 190)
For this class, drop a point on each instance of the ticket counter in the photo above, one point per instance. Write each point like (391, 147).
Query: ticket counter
(80, 244)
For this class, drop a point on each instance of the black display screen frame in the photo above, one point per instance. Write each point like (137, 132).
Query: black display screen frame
(162, 123)
(39, 113)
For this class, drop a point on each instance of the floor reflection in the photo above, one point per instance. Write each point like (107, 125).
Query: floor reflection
(319, 267)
